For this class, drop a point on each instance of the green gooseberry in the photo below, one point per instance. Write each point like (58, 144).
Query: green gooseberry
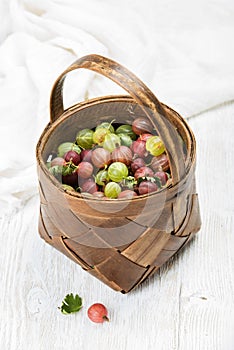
(84, 138)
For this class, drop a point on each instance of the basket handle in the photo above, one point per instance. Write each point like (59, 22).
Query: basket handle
(140, 93)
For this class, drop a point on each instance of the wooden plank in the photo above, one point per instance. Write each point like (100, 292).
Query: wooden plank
(193, 222)
(159, 219)
(115, 231)
(145, 250)
(163, 257)
(121, 271)
(92, 255)
(59, 244)
(63, 219)
(175, 242)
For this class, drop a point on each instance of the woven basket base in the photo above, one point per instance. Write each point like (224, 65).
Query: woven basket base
(116, 267)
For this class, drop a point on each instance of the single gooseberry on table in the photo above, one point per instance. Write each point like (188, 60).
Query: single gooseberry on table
(97, 313)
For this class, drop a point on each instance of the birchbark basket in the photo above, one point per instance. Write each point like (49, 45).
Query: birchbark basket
(121, 242)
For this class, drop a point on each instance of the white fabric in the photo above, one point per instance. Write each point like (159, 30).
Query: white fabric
(183, 50)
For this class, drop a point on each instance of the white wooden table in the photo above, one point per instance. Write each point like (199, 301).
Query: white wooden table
(189, 305)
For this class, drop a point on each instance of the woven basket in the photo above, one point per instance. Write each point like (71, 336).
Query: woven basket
(121, 242)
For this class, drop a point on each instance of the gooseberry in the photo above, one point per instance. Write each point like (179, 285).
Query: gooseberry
(98, 194)
(57, 161)
(142, 125)
(162, 176)
(106, 125)
(98, 313)
(86, 155)
(143, 172)
(101, 157)
(102, 177)
(160, 162)
(84, 138)
(67, 187)
(70, 179)
(145, 137)
(72, 156)
(125, 140)
(67, 146)
(85, 170)
(147, 187)
(112, 190)
(99, 135)
(111, 141)
(155, 146)
(127, 130)
(128, 194)
(136, 164)
(117, 171)
(139, 148)
(89, 186)
(122, 154)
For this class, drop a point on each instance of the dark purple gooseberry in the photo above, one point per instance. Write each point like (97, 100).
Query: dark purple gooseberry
(86, 155)
(160, 162)
(147, 187)
(122, 154)
(143, 172)
(141, 126)
(162, 176)
(71, 179)
(136, 164)
(72, 156)
(139, 148)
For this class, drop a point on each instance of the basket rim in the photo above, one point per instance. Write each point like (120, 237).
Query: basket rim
(105, 99)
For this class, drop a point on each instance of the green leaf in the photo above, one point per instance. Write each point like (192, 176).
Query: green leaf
(158, 181)
(67, 170)
(71, 304)
(128, 182)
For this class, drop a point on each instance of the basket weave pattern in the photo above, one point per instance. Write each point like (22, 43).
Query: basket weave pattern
(119, 242)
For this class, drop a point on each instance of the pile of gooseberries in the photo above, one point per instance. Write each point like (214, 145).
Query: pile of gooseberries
(112, 161)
